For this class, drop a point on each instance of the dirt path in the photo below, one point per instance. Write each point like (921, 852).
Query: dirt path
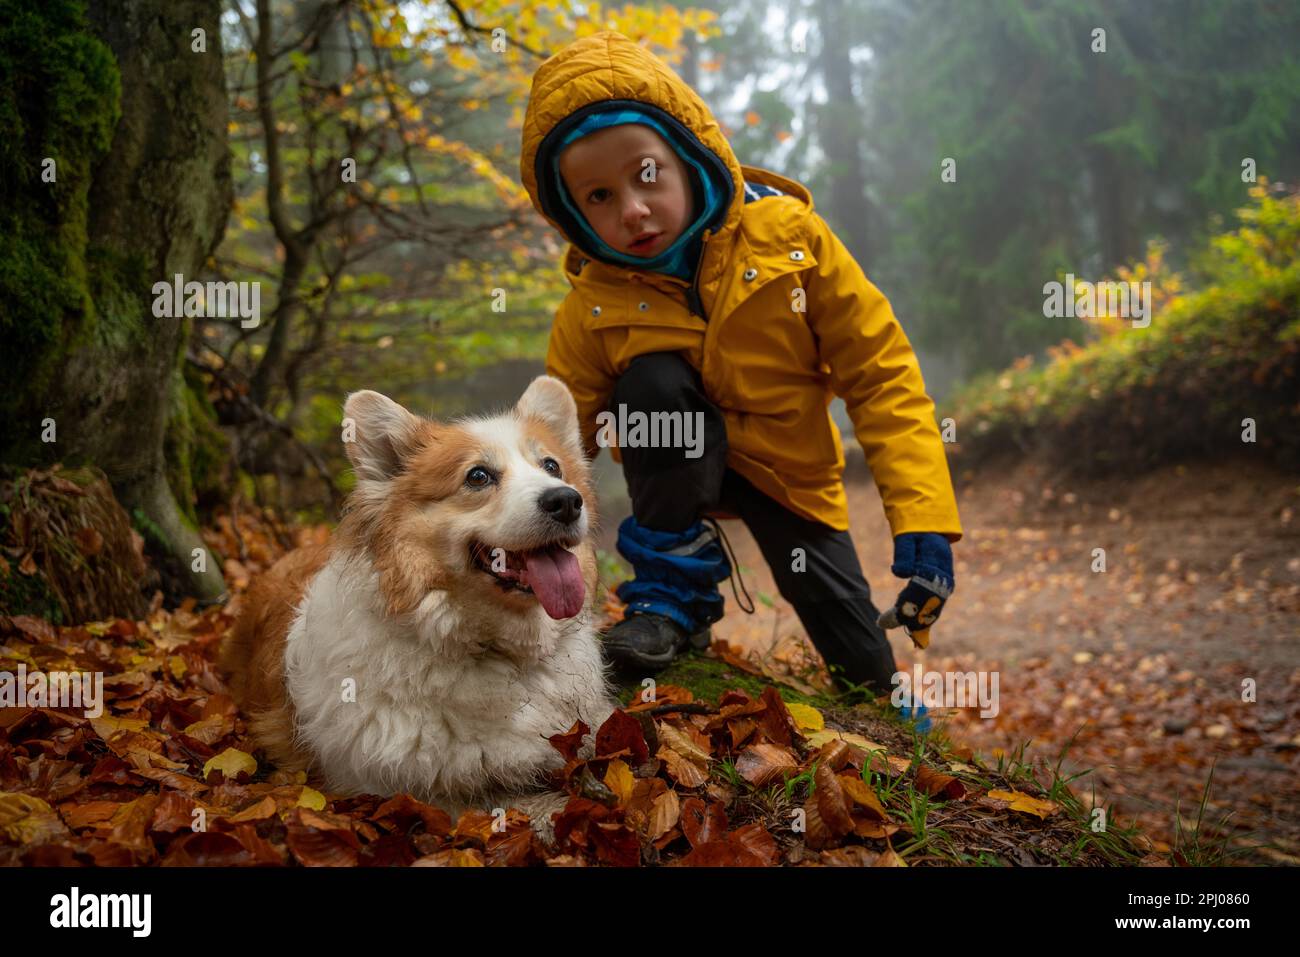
(1146, 661)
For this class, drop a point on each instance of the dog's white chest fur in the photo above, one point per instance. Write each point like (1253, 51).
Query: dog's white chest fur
(453, 703)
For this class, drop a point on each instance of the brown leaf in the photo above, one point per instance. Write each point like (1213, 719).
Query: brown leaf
(212, 728)
(816, 834)
(620, 731)
(664, 695)
(172, 779)
(686, 741)
(474, 826)
(570, 741)
(130, 825)
(77, 816)
(314, 847)
(654, 808)
(758, 841)
(402, 811)
(175, 812)
(261, 850)
(741, 730)
(775, 721)
(258, 811)
(870, 827)
(936, 783)
(703, 823)
(207, 849)
(760, 764)
(857, 791)
(721, 854)
(831, 802)
(616, 844)
(686, 773)
(854, 855)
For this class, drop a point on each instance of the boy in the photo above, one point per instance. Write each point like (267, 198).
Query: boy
(710, 296)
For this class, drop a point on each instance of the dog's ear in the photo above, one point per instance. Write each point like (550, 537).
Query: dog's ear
(549, 400)
(378, 434)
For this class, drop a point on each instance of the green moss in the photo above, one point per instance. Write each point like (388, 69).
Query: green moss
(707, 678)
(194, 447)
(59, 98)
(210, 448)
(154, 536)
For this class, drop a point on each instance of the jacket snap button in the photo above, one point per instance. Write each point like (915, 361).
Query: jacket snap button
(643, 306)
(797, 255)
(750, 273)
(595, 311)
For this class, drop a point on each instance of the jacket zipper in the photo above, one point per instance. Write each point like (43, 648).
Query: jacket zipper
(693, 302)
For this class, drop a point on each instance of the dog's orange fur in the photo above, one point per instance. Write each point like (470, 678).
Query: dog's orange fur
(253, 653)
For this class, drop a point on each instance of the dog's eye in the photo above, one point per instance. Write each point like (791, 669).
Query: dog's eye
(551, 466)
(478, 477)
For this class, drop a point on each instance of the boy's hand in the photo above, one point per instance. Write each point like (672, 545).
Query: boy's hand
(925, 558)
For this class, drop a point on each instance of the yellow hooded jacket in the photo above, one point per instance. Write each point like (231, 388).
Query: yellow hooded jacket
(772, 370)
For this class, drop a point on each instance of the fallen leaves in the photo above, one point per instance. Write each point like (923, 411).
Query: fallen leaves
(167, 775)
(28, 820)
(231, 762)
(1024, 803)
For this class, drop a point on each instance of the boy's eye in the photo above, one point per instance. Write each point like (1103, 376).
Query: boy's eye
(596, 192)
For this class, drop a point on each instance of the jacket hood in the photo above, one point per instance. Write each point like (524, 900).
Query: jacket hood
(600, 72)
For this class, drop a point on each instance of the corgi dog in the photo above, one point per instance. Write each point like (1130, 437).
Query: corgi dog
(447, 629)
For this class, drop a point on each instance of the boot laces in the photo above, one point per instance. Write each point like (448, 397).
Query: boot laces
(735, 565)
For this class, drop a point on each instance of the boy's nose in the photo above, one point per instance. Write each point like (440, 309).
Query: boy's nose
(634, 213)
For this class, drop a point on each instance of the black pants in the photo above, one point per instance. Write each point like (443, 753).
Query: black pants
(669, 492)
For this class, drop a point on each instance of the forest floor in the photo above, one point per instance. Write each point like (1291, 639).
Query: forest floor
(1139, 669)
(1143, 666)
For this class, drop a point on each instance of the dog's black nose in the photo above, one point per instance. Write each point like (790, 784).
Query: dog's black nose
(562, 504)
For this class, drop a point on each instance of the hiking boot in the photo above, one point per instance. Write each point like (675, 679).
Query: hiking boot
(645, 643)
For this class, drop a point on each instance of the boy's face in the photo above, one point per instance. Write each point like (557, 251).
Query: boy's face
(622, 195)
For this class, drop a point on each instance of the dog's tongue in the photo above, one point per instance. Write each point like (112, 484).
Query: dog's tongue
(555, 578)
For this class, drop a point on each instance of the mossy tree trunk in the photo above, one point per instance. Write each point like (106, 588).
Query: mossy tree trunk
(135, 119)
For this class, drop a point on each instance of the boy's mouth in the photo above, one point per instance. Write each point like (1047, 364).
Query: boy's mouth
(646, 242)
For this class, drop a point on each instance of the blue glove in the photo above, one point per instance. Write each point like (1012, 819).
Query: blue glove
(925, 559)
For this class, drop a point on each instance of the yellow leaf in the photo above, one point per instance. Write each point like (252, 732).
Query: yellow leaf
(178, 667)
(25, 819)
(311, 798)
(818, 738)
(618, 778)
(230, 762)
(806, 717)
(106, 725)
(1026, 803)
